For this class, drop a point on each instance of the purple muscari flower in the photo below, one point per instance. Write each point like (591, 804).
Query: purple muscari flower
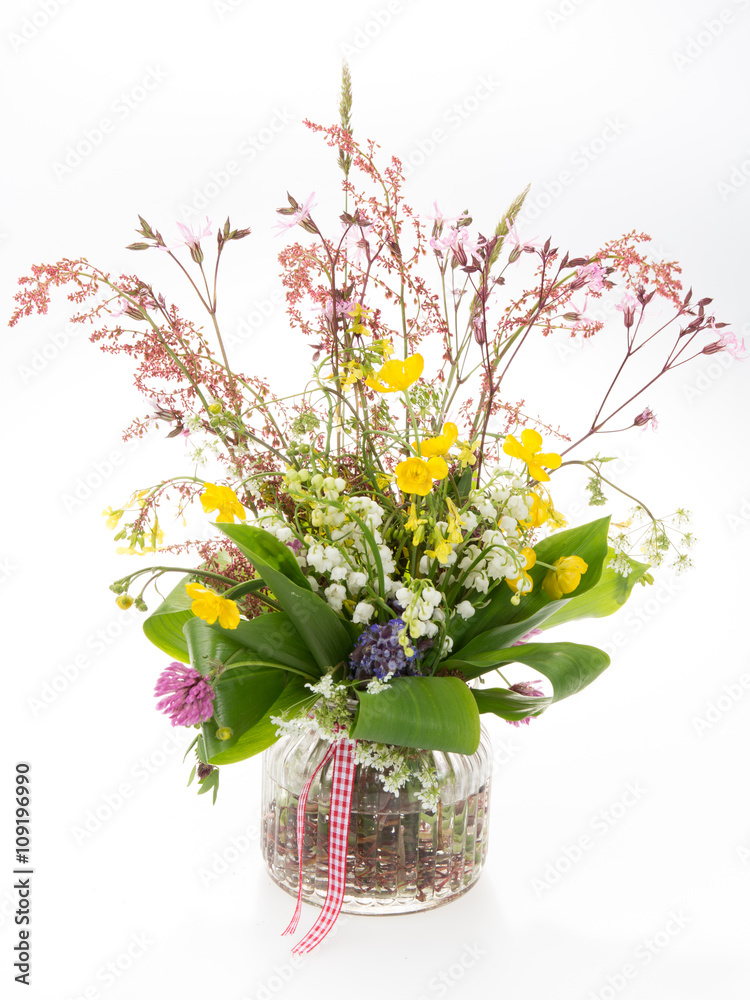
(531, 689)
(188, 695)
(378, 653)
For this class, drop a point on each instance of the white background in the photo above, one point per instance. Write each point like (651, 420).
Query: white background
(662, 884)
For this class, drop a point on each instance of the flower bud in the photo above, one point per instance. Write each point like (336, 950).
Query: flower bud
(203, 770)
(140, 604)
(215, 408)
(124, 601)
(224, 733)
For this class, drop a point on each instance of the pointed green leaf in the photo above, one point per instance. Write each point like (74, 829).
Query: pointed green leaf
(293, 699)
(569, 665)
(509, 705)
(273, 636)
(164, 626)
(428, 713)
(327, 635)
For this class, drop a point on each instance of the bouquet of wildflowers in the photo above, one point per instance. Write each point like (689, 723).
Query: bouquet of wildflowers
(386, 539)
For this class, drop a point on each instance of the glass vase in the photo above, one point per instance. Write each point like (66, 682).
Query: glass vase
(401, 857)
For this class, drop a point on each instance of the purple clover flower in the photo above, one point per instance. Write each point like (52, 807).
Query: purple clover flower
(188, 696)
(378, 653)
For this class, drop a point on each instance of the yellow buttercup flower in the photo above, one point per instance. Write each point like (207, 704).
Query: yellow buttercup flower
(440, 445)
(442, 549)
(565, 577)
(467, 456)
(397, 376)
(210, 606)
(523, 584)
(224, 500)
(538, 514)
(415, 475)
(529, 450)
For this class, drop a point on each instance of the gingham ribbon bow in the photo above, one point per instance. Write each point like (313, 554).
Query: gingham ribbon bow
(342, 752)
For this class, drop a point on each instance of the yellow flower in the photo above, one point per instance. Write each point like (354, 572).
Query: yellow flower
(397, 376)
(124, 601)
(455, 522)
(112, 516)
(354, 372)
(440, 445)
(415, 475)
(565, 577)
(415, 525)
(443, 547)
(357, 313)
(209, 606)
(529, 450)
(523, 584)
(538, 514)
(224, 500)
(467, 456)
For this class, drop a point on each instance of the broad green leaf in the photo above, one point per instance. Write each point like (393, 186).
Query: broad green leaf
(263, 734)
(569, 665)
(589, 541)
(428, 713)
(328, 637)
(608, 596)
(273, 636)
(267, 548)
(164, 626)
(204, 644)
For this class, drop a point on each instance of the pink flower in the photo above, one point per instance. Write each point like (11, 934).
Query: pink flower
(644, 419)
(513, 241)
(458, 240)
(529, 690)
(627, 307)
(525, 638)
(188, 236)
(301, 213)
(437, 215)
(188, 695)
(592, 275)
(731, 343)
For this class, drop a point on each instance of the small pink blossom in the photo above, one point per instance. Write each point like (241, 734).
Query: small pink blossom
(525, 638)
(438, 217)
(530, 689)
(593, 275)
(644, 419)
(299, 215)
(733, 345)
(513, 240)
(188, 696)
(190, 236)
(458, 240)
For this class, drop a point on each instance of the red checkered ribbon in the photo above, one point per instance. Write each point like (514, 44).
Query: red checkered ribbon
(342, 783)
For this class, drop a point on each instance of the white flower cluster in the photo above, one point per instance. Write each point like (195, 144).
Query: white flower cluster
(395, 767)
(422, 615)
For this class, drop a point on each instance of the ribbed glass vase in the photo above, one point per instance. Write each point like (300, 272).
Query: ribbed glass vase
(401, 857)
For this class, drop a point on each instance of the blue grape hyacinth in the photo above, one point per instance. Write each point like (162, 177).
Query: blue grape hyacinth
(379, 654)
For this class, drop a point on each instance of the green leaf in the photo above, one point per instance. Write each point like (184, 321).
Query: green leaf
(328, 637)
(569, 665)
(509, 705)
(164, 626)
(589, 541)
(428, 713)
(205, 645)
(263, 734)
(273, 636)
(608, 596)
